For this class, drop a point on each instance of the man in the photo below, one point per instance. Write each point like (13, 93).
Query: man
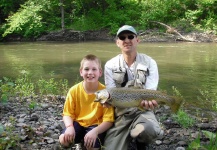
(132, 69)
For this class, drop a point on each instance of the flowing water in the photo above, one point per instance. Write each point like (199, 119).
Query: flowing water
(189, 67)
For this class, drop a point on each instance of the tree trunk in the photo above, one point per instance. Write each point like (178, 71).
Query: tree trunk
(62, 15)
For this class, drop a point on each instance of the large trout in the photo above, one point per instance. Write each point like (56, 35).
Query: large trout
(132, 97)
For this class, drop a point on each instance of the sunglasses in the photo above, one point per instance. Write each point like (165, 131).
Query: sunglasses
(130, 37)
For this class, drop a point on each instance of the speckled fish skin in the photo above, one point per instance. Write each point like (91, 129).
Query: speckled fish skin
(132, 97)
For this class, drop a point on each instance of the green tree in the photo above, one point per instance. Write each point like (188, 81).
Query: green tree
(35, 17)
(28, 20)
(8, 7)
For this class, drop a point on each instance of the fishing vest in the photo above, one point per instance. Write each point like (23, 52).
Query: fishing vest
(141, 72)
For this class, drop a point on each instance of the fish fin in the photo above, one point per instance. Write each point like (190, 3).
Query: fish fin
(100, 100)
(96, 100)
(135, 87)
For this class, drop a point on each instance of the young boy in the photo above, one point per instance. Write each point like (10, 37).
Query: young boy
(84, 119)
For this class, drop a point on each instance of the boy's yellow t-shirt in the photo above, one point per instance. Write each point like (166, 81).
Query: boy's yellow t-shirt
(81, 107)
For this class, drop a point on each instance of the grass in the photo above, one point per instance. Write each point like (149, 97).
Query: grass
(183, 119)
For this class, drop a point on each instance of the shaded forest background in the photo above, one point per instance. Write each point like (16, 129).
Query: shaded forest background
(32, 18)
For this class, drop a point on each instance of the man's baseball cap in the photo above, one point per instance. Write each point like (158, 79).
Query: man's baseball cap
(126, 28)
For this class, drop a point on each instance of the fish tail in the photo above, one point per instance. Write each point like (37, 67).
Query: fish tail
(177, 103)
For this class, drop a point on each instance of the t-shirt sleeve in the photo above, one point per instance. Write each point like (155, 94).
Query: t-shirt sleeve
(69, 105)
(108, 114)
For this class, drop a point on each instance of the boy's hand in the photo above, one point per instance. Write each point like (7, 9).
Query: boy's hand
(69, 134)
(149, 104)
(90, 138)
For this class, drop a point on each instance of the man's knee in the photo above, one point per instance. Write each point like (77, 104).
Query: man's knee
(147, 131)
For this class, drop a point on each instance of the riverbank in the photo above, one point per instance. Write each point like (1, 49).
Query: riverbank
(152, 35)
(145, 36)
(37, 125)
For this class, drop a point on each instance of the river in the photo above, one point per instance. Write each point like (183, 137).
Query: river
(189, 67)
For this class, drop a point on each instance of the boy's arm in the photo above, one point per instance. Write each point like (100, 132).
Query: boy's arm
(104, 126)
(69, 134)
(90, 137)
(67, 121)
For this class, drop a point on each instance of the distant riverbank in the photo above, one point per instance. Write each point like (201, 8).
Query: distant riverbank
(103, 35)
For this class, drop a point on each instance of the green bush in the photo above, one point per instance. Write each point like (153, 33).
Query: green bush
(204, 16)
(24, 85)
(9, 139)
(6, 89)
(52, 86)
(183, 119)
(197, 145)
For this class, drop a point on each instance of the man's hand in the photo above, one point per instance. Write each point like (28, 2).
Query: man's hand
(149, 104)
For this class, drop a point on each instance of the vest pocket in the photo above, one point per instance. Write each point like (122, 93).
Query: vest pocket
(118, 75)
(142, 75)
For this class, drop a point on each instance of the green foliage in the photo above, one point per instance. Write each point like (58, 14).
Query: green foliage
(197, 145)
(9, 139)
(204, 16)
(63, 86)
(194, 144)
(120, 13)
(183, 119)
(32, 105)
(164, 11)
(205, 96)
(27, 21)
(183, 25)
(176, 92)
(47, 87)
(213, 140)
(24, 85)
(51, 86)
(6, 89)
(36, 17)
(8, 7)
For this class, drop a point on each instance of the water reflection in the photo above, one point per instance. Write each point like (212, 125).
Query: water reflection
(187, 66)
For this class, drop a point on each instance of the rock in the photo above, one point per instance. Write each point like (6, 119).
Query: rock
(182, 143)
(180, 148)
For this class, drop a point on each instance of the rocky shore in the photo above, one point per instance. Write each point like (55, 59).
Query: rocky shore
(145, 36)
(37, 125)
(151, 35)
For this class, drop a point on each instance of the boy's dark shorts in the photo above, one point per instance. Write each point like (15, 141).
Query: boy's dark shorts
(80, 132)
